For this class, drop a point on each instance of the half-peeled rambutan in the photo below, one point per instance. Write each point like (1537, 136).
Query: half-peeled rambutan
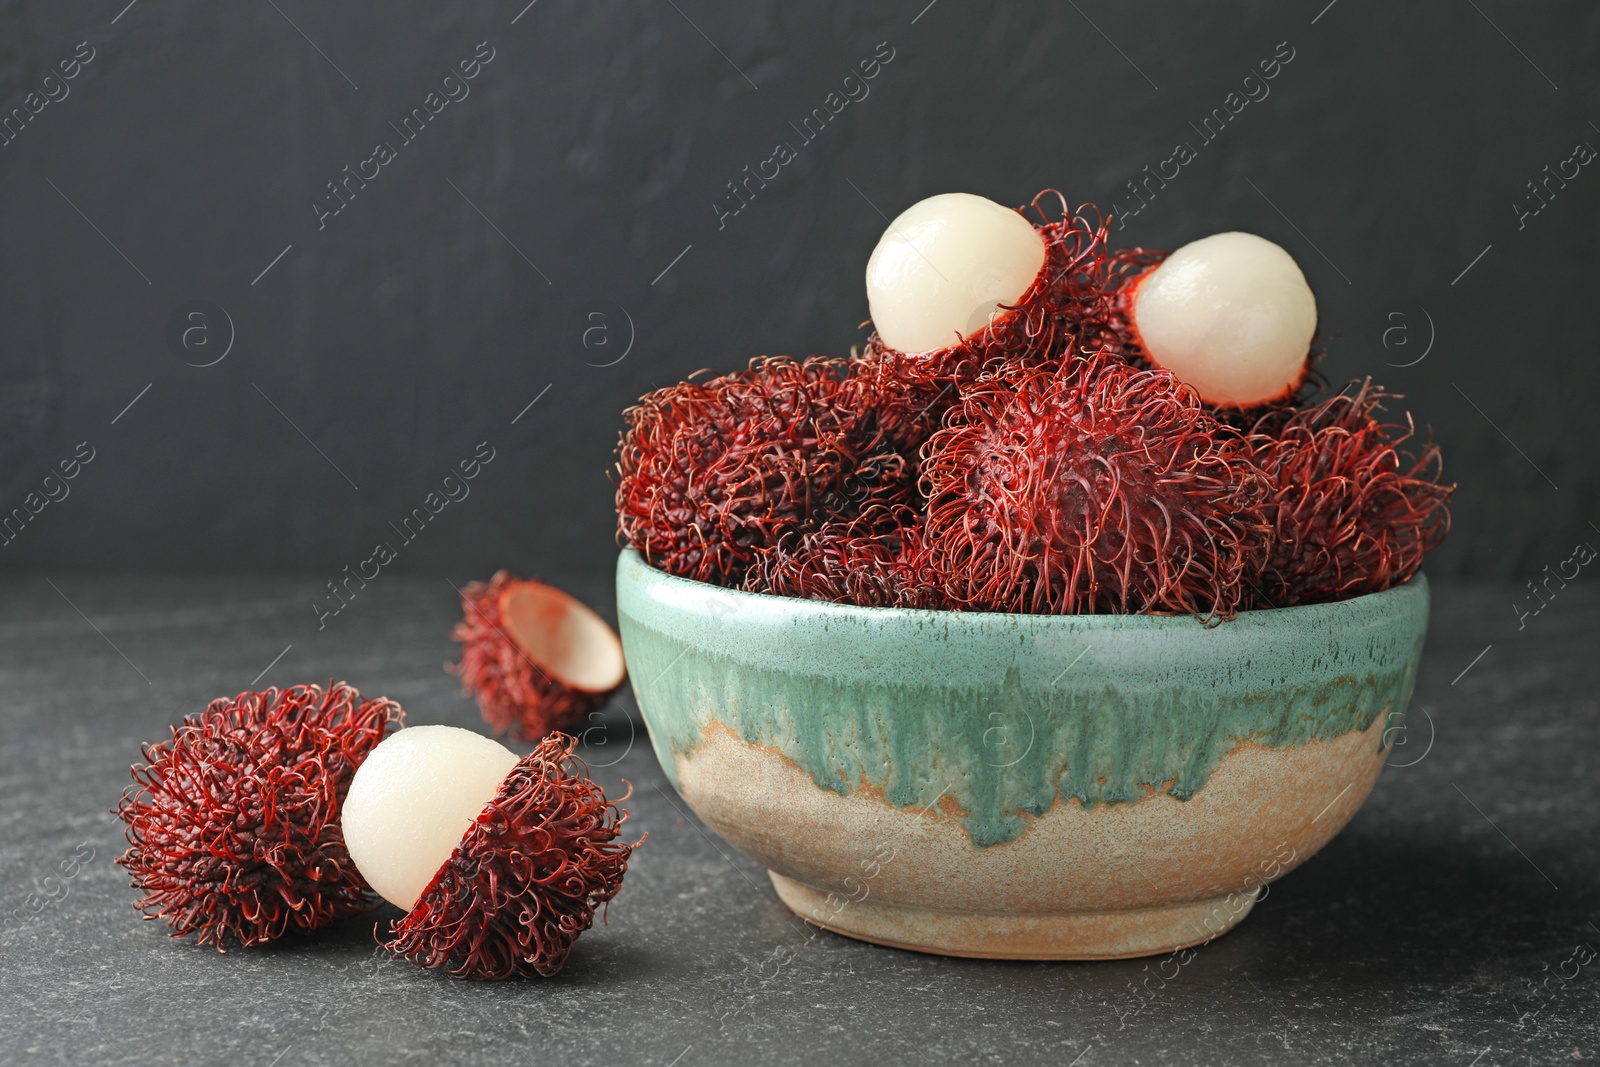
(1351, 512)
(1230, 315)
(1070, 307)
(1127, 268)
(234, 823)
(710, 473)
(535, 658)
(1093, 487)
(877, 560)
(526, 878)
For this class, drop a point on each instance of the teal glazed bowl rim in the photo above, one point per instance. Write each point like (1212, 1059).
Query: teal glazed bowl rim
(1007, 714)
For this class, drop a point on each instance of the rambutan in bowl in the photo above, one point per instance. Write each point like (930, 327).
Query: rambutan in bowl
(1018, 786)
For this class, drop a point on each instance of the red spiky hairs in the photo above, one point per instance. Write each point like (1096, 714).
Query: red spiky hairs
(878, 560)
(526, 878)
(234, 822)
(1351, 511)
(1095, 487)
(710, 473)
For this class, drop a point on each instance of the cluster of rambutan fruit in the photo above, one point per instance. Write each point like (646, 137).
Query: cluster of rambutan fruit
(288, 810)
(1039, 424)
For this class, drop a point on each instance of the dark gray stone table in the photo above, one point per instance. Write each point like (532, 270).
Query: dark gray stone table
(1439, 927)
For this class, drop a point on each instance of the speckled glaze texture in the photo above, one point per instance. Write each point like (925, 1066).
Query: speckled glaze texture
(945, 773)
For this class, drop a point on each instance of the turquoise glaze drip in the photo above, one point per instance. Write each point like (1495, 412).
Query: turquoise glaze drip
(1002, 713)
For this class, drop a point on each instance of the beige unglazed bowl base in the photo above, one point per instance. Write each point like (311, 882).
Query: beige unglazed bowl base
(1106, 935)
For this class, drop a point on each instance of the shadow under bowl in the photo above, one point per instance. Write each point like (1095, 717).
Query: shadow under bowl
(1018, 786)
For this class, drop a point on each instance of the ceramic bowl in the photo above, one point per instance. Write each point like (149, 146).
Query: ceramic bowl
(1018, 786)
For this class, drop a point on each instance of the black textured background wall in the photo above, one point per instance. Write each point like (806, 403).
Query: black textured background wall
(556, 231)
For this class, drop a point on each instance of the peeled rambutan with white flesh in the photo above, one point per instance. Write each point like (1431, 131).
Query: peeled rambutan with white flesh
(233, 824)
(711, 473)
(1230, 315)
(1351, 511)
(1091, 487)
(499, 862)
(946, 267)
(957, 281)
(536, 658)
(963, 288)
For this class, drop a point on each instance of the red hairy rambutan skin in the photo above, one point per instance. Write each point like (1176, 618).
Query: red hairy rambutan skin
(907, 396)
(234, 822)
(526, 878)
(878, 560)
(1094, 487)
(1130, 267)
(517, 695)
(1351, 512)
(710, 473)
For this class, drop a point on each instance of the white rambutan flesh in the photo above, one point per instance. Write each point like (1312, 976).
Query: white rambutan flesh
(1230, 315)
(414, 799)
(944, 268)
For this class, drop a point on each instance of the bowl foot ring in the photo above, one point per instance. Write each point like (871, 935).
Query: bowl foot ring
(1105, 935)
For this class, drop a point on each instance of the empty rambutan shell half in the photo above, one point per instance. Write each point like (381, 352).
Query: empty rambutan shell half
(233, 824)
(499, 862)
(536, 658)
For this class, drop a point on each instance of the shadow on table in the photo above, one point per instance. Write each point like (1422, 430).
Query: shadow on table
(1382, 910)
